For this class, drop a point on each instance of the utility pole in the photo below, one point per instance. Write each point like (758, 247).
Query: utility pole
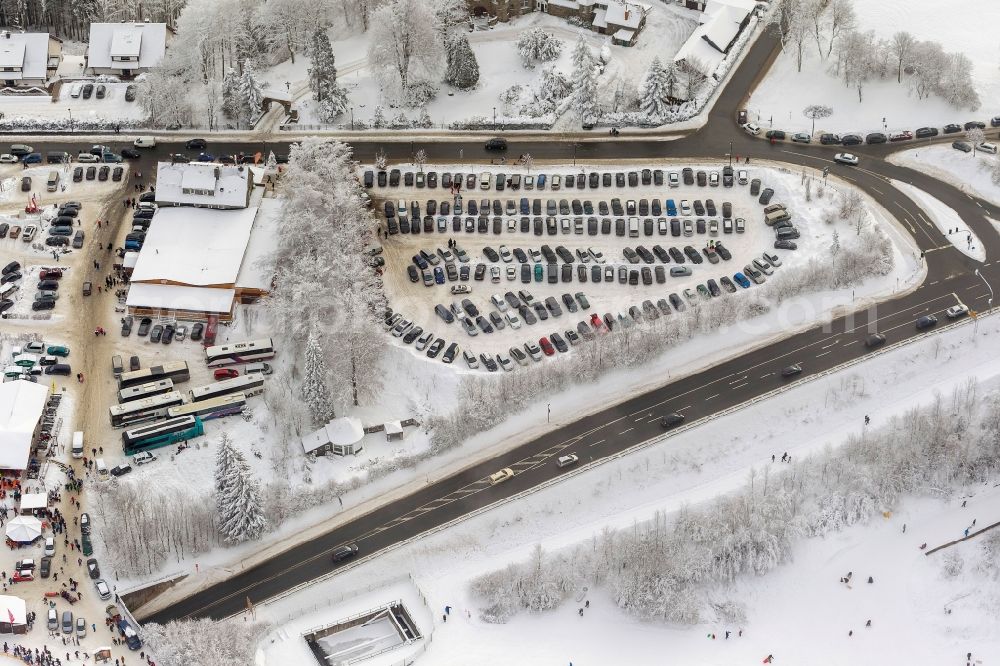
(730, 154)
(494, 119)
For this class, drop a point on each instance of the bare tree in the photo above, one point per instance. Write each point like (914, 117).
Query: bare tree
(404, 44)
(975, 136)
(420, 159)
(902, 45)
(840, 18)
(814, 111)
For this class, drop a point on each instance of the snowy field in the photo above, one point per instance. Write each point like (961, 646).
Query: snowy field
(42, 107)
(947, 220)
(969, 173)
(500, 67)
(780, 98)
(906, 602)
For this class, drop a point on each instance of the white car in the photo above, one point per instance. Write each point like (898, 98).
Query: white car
(956, 311)
(596, 254)
(846, 158)
(752, 129)
(741, 177)
(987, 147)
(461, 289)
(501, 476)
(513, 319)
(142, 458)
(103, 591)
(50, 546)
(505, 362)
(499, 302)
(674, 179)
(471, 360)
(7, 158)
(685, 207)
(87, 157)
(505, 254)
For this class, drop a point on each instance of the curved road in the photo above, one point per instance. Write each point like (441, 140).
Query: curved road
(950, 280)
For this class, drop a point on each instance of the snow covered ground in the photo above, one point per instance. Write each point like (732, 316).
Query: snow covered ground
(947, 220)
(35, 108)
(667, 27)
(963, 170)
(906, 602)
(783, 94)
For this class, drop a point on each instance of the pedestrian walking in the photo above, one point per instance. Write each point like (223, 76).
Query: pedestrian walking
(867, 420)
(963, 503)
(868, 624)
(966, 531)
(904, 528)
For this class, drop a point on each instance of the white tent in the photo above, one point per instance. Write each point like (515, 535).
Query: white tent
(34, 501)
(24, 529)
(21, 405)
(13, 614)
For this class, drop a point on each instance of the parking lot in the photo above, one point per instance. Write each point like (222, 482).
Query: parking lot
(636, 245)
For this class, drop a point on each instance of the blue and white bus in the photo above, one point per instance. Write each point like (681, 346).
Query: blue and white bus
(147, 409)
(248, 385)
(213, 408)
(239, 352)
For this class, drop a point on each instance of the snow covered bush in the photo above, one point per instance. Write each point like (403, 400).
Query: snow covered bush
(204, 642)
(536, 45)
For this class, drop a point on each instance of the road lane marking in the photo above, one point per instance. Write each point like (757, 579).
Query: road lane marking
(713, 396)
(625, 431)
(823, 354)
(600, 442)
(741, 385)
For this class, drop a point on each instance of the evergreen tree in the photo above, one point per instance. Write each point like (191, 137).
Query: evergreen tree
(425, 119)
(250, 94)
(378, 120)
(584, 81)
(230, 92)
(654, 95)
(238, 498)
(330, 97)
(315, 391)
(463, 68)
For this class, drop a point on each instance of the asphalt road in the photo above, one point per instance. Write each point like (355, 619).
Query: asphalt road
(950, 280)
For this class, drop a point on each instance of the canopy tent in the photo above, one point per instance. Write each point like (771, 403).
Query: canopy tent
(21, 405)
(13, 615)
(24, 529)
(34, 502)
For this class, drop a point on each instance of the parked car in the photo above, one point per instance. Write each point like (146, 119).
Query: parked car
(962, 146)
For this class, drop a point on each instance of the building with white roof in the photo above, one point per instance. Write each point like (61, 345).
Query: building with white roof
(622, 19)
(21, 406)
(204, 185)
(125, 49)
(340, 437)
(28, 58)
(721, 23)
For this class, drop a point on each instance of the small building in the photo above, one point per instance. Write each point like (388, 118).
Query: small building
(623, 20)
(13, 615)
(34, 503)
(203, 185)
(721, 24)
(125, 49)
(393, 431)
(340, 437)
(28, 59)
(21, 407)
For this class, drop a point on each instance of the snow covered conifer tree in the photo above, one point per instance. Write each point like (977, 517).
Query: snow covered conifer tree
(584, 81)
(330, 96)
(656, 90)
(238, 499)
(230, 94)
(537, 45)
(463, 68)
(425, 119)
(315, 391)
(250, 92)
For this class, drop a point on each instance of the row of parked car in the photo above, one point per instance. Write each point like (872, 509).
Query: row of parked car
(25, 154)
(727, 176)
(830, 139)
(47, 288)
(35, 358)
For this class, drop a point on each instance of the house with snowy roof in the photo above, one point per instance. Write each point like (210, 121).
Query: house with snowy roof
(720, 25)
(623, 20)
(126, 49)
(28, 59)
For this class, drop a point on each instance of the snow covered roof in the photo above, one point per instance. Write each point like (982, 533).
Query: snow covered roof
(147, 41)
(202, 184)
(277, 94)
(13, 607)
(343, 431)
(568, 4)
(173, 297)
(624, 35)
(195, 246)
(31, 501)
(600, 18)
(724, 26)
(253, 274)
(625, 14)
(21, 405)
(393, 428)
(26, 53)
(713, 6)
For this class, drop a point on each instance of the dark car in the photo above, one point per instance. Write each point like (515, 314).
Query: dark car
(496, 143)
(852, 139)
(196, 144)
(130, 93)
(348, 551)
(925, 322)
(155, 333)
(93, 569)
(777, 135)
(791, 370)
(77, 174)
(974, 124)
(144, 325)
(874, 340)
(926, 132)
(196, 332)
(88, 90)
(126, 326)
(951, 128)
(130, 153)
(876, 137)
(168, 334)
(116, 175)
(121, 469)
(829, 139)
(26, 183)
(765, 196)
(671, 420)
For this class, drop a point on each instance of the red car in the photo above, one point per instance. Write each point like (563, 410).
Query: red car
(50, 274)
(23, 576)
(226, 373)
(546, 346)
(597, 323)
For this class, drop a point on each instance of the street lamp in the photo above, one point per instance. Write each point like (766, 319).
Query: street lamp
(494, 119)
(574, 153)
(70, 119)
(730, 154)
(989, 301)
(352, 118)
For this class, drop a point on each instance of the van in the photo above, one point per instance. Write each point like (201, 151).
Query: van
(52, 184)
(145, 142)
(776, 216)
(77, 450)
(7, 290)
(81, 627)
(67, 622)
(102, 469)
(116, 365)
(262, 368)
(57, 157)
(633, 227)
(53, 619)
(786, 233)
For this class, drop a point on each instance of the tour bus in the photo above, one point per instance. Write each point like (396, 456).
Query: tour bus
(147, 409)
(213, 408)
(239, 352)
(176, 371)
(248, 385)
(146, 390)
(165, 433)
